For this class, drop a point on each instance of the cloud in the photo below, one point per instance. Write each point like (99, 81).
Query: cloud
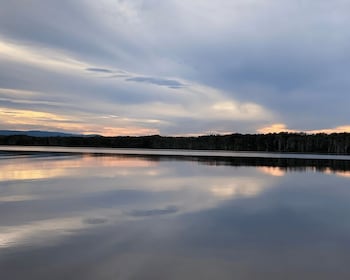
(157, 81)
(249, 59)
(141, 108)
(99, 70)
(154, 212)
(95, 221)
(275, 128)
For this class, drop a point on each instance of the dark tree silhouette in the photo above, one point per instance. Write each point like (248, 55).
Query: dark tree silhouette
(336, 143)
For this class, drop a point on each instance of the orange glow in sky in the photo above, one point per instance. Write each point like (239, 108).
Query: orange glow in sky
(280, 127)
(23, 119)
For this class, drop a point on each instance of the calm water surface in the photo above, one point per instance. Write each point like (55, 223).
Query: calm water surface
(83, 216)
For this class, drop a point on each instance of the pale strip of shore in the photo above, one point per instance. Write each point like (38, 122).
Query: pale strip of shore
(169, 152)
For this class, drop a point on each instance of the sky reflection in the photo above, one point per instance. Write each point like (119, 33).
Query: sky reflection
(71, 189)
(273, 171)
(29, 168)
(134, 217)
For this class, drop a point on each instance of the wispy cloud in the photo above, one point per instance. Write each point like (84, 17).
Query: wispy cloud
(99, 70)
(154, 212)
(157, 81)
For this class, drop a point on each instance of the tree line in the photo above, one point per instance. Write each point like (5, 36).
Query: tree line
(336, 143)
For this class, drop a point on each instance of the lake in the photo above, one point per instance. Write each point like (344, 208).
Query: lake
(91, 214)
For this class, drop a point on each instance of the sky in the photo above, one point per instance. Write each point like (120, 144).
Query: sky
(175, 67)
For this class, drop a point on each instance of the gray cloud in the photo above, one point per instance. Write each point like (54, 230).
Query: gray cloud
(95, 221)
(157, 81)
(99, 70)
(154, 212)
(119, 76)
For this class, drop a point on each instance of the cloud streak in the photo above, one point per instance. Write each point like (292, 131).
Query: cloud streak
(157, 81)
(99, 70)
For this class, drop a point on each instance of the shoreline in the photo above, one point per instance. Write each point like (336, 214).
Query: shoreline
(172, 152)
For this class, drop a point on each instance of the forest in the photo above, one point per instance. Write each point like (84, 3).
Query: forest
(336, 143)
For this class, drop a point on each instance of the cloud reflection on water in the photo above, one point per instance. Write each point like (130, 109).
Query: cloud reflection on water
(53, 189)
(340, 173)
(151, 217)
(29, 168)
(273, 171)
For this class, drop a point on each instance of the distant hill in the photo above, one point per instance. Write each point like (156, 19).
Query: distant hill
(39, 133)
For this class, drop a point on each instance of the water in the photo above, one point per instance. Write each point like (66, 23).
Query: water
(88, 216)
